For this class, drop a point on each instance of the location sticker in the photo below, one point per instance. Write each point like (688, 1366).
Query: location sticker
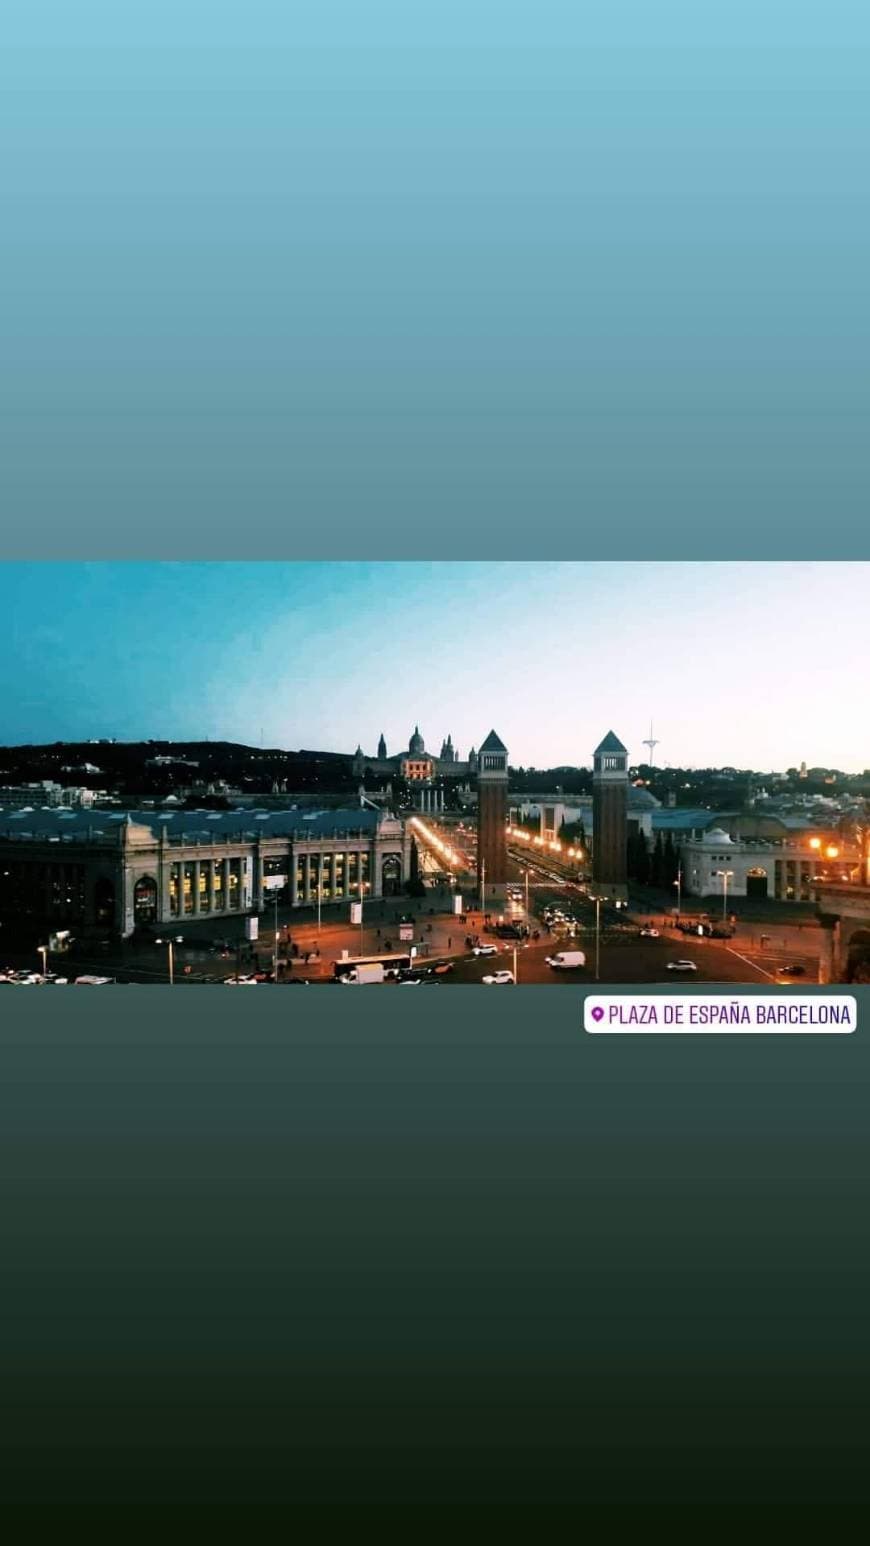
(761, 1014)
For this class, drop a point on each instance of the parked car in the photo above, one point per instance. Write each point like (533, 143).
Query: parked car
(248, 981)
(682, 966)
(498, 979)
(485, 950)
(650, 934)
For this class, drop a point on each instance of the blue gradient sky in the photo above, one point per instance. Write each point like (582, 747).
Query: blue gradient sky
(378, 267)
(757, 665)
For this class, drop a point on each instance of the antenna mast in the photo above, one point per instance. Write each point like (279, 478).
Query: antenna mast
(651, 742)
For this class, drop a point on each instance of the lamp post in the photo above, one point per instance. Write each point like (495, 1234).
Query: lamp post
(275, 964)
(679, 885)
(526, 873)
(726, 875)
(361, 898)
(482, 885)
(43, 951)
(171, 969)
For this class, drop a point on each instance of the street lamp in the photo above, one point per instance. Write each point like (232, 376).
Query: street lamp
(43, 951)
(726, 875)
(171, 970)
(526, 873)
(679, 885)
(275, 964)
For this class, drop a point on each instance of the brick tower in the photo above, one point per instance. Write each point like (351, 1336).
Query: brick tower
(610, 819)
(492, 786)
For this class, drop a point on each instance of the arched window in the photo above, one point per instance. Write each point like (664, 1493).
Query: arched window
(391, 875)
(756, 882)
(145, 900)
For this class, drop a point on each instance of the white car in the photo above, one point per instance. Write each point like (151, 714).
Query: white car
(485, 950)
(498, 979)
(240, 982)
(650, 934)
(682, 966)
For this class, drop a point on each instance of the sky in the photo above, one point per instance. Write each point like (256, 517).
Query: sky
(750, 665)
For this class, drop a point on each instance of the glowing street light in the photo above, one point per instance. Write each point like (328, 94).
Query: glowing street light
(726, 875)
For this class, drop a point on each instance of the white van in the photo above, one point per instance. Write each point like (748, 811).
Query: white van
(566, 960)
(92, 982)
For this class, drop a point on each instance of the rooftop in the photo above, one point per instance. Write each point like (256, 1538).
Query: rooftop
(611, 743)
(57, 821)
(493, 744)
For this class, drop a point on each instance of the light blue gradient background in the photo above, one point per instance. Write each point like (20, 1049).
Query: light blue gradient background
(336, 279)
(321, 655)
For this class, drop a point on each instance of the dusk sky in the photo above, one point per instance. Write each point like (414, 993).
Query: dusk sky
(755, 665)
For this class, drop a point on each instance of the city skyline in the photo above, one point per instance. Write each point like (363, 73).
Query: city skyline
(551, 654)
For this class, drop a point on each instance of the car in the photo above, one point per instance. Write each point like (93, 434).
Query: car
(682, 966)
(498, 979)
(170, 939)
(650, 934)
(441, 968)
(792, 971)
(485, 950)
(240, 982)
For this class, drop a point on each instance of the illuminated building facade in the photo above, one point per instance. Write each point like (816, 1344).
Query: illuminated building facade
(99, 871)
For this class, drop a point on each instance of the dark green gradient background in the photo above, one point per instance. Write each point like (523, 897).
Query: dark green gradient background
(445, 1257)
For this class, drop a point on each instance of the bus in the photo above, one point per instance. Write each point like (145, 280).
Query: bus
(393, 964)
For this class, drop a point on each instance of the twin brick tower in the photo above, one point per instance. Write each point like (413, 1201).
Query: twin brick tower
(609, 819)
